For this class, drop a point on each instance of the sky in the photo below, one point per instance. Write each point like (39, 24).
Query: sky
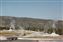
(43, 9)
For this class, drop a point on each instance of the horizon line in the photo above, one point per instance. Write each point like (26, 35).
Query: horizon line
(36, 18)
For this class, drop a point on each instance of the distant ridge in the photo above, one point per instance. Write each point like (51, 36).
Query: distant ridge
(4, 19)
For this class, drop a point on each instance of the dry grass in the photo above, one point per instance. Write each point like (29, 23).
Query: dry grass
(16, 32)
(6, 33)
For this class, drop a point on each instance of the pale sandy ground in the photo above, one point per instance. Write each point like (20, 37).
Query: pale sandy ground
(28, 35)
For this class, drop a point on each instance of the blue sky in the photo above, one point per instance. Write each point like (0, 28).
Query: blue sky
(44, 9)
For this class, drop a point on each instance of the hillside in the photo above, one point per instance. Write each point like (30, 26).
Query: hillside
(31, 23)
(6, 20)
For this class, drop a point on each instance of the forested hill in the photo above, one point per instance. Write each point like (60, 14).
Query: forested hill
(6, 20)
(31, 23)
